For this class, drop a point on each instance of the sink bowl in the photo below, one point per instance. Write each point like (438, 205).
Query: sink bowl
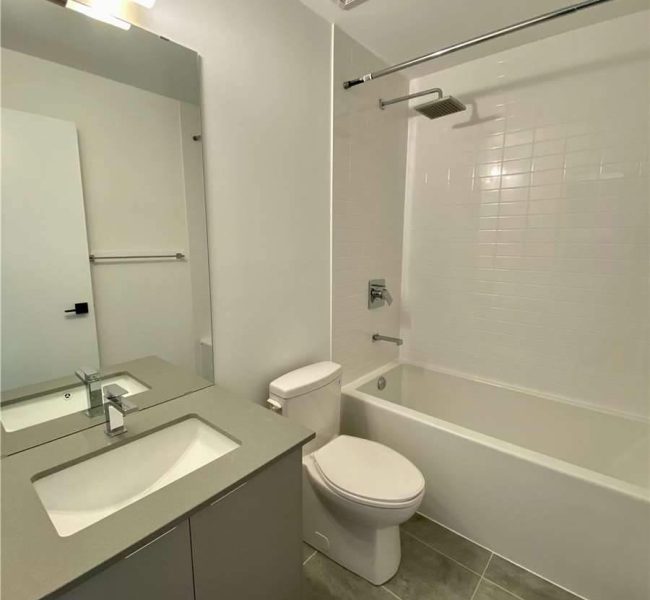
(87, 492)
(43, 408)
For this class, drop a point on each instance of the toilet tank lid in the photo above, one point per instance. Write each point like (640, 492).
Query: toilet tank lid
(305, 380)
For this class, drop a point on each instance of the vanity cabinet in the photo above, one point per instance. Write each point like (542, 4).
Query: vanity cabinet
(247, 545)
(160, 569)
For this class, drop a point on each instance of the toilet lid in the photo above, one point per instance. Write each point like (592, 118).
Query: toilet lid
(368, 471)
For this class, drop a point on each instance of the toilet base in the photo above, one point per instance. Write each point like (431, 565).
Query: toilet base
(370, 552)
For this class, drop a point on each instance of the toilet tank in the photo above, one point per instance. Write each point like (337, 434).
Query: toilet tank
(311, 396)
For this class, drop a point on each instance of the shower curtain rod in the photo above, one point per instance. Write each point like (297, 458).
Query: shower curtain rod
(473, 42)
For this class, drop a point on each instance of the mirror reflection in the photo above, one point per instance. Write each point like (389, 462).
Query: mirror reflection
(104, 244)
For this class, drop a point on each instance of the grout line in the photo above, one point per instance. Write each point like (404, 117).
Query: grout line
(309, 557)
(442, 553)
(478, 585)
(393, 594)
(538, 576)
(510, 592)
(460, 535)
(492, 555)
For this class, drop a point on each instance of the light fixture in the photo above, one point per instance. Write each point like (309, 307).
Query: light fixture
(96, 12)
(145, 3)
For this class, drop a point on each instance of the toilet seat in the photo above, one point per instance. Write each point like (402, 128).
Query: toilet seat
(368, 473)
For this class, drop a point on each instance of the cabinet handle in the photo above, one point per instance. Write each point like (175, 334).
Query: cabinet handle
(239, 487)
(162, 535)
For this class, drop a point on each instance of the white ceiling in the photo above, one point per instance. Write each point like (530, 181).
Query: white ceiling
(397, 30)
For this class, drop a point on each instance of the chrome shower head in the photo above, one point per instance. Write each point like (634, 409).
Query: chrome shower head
(446, 105)
(443, 106)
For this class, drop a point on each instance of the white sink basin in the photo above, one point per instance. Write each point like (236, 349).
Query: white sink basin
(80, 495)
(40, 409)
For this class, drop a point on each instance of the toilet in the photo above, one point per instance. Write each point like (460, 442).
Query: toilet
(356, 492)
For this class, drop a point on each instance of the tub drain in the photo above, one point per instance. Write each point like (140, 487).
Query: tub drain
(381, 383)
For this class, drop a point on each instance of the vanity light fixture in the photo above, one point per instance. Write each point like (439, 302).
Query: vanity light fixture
(97, 12)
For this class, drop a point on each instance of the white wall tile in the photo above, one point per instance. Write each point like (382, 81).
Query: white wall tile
(543, 281)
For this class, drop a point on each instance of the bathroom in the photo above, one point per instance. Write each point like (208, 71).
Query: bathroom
(344, 347)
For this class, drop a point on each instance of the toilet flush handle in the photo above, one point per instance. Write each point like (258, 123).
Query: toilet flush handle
(274, 406)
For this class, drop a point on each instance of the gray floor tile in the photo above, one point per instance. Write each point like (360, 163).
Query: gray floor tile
(307, 551)
(427, 575)
(522, 583)
(325, 580)
(489, 591)
(465, 552)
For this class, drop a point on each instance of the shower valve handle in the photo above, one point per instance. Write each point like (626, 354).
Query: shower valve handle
(385, 295)
(378, 293)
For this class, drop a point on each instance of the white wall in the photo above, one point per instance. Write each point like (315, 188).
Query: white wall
(134, 192)
(527, 255)
(368, 207)
(266, 110)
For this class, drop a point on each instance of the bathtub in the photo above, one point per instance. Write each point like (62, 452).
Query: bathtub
(556, 487)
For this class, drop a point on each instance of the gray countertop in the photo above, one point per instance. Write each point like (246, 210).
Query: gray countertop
(37, 563)
(166, 381)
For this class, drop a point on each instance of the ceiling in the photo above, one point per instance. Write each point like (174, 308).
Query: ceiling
(397, 30)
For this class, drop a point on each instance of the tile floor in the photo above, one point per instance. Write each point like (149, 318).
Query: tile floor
(436, 564)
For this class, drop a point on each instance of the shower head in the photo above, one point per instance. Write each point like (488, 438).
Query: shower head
(441, 107)
(446, 105)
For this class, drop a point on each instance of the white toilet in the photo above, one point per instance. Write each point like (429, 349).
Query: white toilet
(356, 492)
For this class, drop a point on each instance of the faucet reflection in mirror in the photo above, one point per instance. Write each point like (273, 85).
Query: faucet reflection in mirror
(91, 379)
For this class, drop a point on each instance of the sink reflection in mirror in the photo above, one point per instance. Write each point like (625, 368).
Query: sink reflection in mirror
(78, 496)
(28, 412)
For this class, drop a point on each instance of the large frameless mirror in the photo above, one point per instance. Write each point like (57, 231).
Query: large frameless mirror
(104, 244)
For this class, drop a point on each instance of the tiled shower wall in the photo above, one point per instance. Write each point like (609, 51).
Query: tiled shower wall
(526, 234)
(367, 208)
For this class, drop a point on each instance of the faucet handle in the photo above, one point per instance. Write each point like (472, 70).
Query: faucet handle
(115, 392)
(385, 294)
(87, 374)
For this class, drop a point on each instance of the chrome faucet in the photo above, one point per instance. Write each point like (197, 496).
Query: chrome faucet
(115, 408)
(91, 379)
(378, 294)
(384, 338)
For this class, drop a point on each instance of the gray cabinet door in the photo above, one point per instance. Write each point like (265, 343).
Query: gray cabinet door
(247, 545)
(160, 570)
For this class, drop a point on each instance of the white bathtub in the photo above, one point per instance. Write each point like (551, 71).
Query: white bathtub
(558, 488)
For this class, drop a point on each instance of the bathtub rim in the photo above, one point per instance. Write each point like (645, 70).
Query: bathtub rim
(608, 482)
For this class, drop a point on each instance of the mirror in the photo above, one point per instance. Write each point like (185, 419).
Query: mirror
(104, 243)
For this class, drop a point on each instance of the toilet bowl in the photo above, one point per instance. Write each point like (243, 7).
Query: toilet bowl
(356, 492)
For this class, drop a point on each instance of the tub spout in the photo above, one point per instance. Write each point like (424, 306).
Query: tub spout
(384, 338)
